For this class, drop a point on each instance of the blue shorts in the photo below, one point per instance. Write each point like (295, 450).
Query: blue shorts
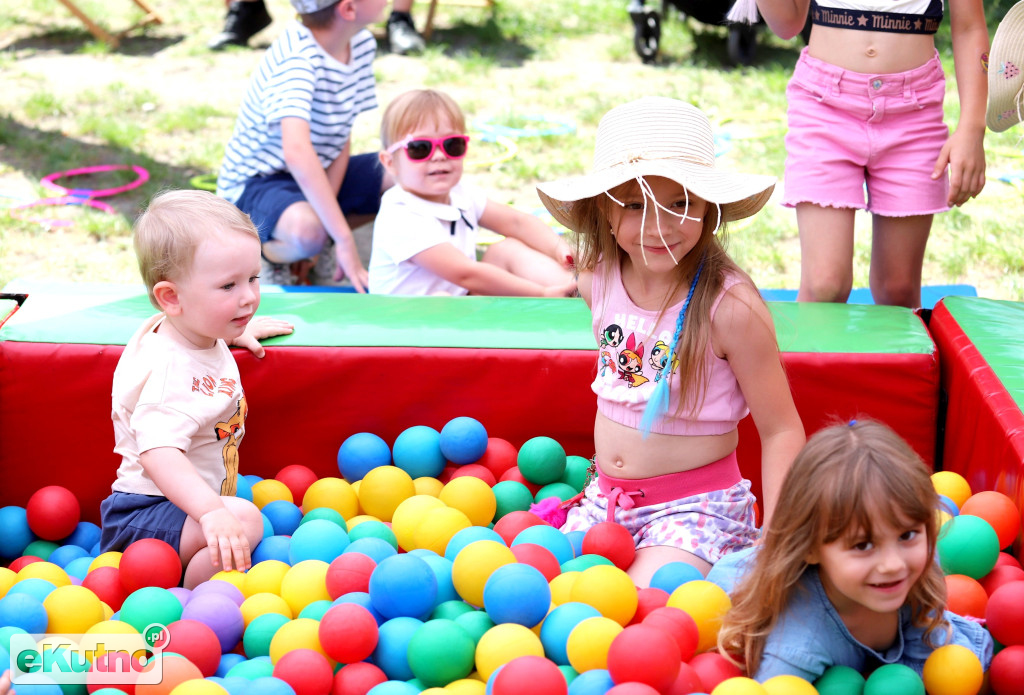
(265, 198)
(126, 517)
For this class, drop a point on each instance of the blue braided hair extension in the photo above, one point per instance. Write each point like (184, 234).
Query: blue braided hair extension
(657, 406)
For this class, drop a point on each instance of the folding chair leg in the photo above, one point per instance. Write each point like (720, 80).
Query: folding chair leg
(94, 28)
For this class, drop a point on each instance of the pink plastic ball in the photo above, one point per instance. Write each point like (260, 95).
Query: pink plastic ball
(611, 540)
(510, 525)
(688, 681)
(1004, 615)
(105, 582)
(1006, 674)
(538, 557)
(348, 633)
(644, 654)
(632, 688)
(149, 562)
(307, 671)
(349, 572)
(529, 675)
(297, 478)
(477, 471)
(499, 456)
(53, 512)
(357, 679)
(679, 624)
(1000, 575)
(648, 599)
(712, 668)
(197, 642)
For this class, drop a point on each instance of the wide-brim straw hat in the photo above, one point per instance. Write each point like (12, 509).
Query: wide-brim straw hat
(1005, 76)
(658, 136)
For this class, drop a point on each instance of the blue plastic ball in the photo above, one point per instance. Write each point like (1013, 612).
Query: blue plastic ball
(947, 505)
(391, 653)
(361, 598)
(272, 548)
(470, 534)
(442, 569)
(374, 548)
(244, 488)
(463, 440)
(235, 685)
(268, 685)
(548, 537)
(554, 633)
(672, 575)
(227, 661)
(24, 611)
(268, 528)
(284, 516)
(394, 687)
(44, 686)
(517, 593)
(403, 585)
(593, 682)
(35, 587)
(576, 540)
(15, 535)
(66, 553)
(417, 451)
(318, 539)
(85, 535)
(361, 453)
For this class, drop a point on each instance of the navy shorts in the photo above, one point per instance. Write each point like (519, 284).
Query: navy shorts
(126, 517)
(265, 198)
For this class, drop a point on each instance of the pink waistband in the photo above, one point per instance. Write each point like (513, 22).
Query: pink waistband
(628, 493)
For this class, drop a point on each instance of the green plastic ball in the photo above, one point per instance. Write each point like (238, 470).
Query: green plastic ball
(327, 514)
(40, 549)
(148, 605)
(441, 651)
(575, 474)
(578, 564)
(257, 636)
(562, 491)
(541, 460)
(475, 623)
(894, 678)
(511, 496)
(372, 528)
(251, 669)
(450, 610)
(968, 545)
(840, 680)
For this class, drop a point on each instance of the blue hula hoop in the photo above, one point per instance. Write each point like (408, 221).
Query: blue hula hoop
(550, 125)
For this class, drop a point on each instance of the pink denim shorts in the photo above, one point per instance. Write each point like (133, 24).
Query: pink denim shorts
(850, 129)
(710, 523)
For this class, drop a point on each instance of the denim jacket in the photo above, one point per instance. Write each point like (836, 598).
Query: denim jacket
(809, 636)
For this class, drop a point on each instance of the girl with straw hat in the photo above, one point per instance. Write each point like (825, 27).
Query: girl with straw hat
(1005, 79)
(647, 221)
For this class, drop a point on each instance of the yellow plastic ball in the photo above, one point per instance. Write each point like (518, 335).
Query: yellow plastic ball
(333, 493)
(474, 565)
(265, 577)
(408, 515)
(952, 485)
(269, 490)
(467, 686)
(7, 579)
(111, 558)
(738, 686)
(52, 573)
(358, 519)
(233, 577)
(198, 686)
(260, 604)
(382, 489)
(95, 638)
(505, 642)
(428, 486)
(437, 528)
(588, 643)
(304, 583)
(788, 685)
(952, 670)
(72, 609)
(609, 590)
(706, 603)
(301, 633)
(473, 497)
(561, 587)
(943, 516)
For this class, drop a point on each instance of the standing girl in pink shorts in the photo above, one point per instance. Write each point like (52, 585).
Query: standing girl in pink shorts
(865, 107)
(655, 275)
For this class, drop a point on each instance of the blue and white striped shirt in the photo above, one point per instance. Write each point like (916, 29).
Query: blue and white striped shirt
(297, 78)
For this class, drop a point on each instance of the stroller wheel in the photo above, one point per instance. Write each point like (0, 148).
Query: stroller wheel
(647, 34)
(742, 43)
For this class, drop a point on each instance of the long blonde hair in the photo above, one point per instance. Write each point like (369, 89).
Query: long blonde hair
(594, 242)
(844, 478)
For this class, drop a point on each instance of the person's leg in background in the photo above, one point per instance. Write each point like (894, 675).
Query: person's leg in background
(402, 35)
(245, 19)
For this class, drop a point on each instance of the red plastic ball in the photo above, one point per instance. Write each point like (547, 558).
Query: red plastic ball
(687, 682)
(679, 624)
(965, 595)
(529, 675)
(53, 512)
(644, 654)
(349, 572)
(998, 510)
(98, 675)
(611, 540)
(999, 576)
(477, 471)
(538, 557)
(20, 562)
(632, 688)
(149, 562)
(509, 526)
(648, 599)
(197, 642)
(1006, 674)
(515, 474)
(297, 478)
(105, 582)
(712, 668)
(307, 671)
(1004, 616)
(357, 679)
(1006, 559)
(499, 456)
(348, 633)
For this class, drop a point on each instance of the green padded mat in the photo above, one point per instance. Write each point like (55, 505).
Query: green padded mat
(346, 319)
(7, 306)
(996, 327)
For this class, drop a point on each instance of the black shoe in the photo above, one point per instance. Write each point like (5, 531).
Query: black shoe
(244, 20)
(402, 35)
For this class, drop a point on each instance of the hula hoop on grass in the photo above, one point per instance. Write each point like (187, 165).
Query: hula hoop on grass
(750, 126)
(61, 200)
(204, 182)
(48, 181)
(511, 150)
(549, 125)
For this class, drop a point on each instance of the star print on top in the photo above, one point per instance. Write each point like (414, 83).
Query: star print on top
(633, 347)
(895, 16)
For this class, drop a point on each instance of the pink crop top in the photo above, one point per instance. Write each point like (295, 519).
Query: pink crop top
(632, 352)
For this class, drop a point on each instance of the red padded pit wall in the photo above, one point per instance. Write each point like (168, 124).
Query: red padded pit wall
(984, 437)
(304, 402)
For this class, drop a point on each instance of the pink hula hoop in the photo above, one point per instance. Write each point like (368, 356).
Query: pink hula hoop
(48, 181)
(62, 200)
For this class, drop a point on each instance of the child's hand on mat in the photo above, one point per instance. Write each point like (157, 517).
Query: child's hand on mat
(229, 547)
(566, 290)
(349, 264)
(258, 329)
(965, 156)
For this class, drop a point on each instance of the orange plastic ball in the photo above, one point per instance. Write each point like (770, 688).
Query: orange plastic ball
(998, 510)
